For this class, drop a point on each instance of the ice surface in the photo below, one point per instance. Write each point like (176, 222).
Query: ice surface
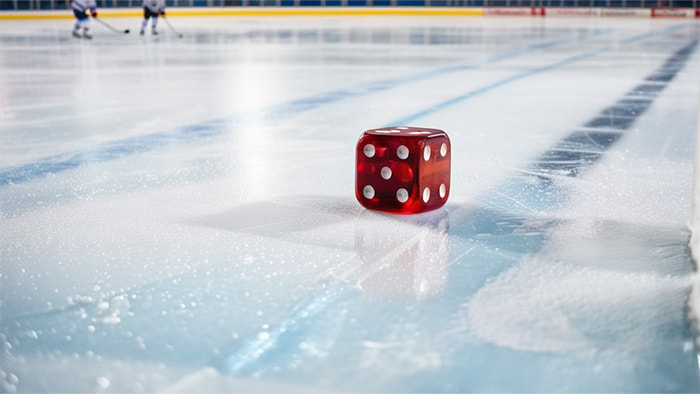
(178, 214)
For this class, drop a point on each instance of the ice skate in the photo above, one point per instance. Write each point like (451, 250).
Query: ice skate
(141, 32)
(154, 32)
(87, 35)
(76, 34)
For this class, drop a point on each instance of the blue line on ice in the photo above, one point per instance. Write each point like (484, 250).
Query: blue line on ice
(116, 149)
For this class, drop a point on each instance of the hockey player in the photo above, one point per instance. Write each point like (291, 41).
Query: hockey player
(80, 10)
(151, 9)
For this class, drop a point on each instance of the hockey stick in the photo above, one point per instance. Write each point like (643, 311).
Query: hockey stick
(171, 27)
(110, 27)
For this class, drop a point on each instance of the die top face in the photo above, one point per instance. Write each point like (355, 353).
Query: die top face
(406, 131)
(403, 169)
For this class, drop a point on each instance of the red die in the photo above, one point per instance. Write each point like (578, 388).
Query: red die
(403, 169)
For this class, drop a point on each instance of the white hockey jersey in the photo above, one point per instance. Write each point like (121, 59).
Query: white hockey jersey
(154, 6)
(83, 5)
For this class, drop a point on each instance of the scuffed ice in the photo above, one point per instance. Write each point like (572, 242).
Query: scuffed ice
(178, 215)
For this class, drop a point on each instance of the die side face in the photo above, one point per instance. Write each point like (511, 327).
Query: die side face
(403, 169)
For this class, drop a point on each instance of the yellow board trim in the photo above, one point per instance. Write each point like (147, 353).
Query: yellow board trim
(256, 11)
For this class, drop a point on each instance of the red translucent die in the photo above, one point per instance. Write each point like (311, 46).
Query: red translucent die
(403, 169)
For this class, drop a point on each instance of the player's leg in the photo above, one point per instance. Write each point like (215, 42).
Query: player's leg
(144, 23)
(86, 28)
(81, 19)
(154, 24)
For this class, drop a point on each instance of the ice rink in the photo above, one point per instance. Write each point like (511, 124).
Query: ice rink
(178, 214)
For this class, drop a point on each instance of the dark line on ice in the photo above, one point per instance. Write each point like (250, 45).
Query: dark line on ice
(582, 148)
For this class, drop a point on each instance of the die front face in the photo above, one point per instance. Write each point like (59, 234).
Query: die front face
(403, 169)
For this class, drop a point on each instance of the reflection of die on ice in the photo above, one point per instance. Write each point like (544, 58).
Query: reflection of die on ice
(403, 169)
(404, 258)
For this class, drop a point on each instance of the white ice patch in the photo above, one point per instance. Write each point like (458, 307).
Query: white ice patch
(555, 307)
(406, 352)
(640, 191)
